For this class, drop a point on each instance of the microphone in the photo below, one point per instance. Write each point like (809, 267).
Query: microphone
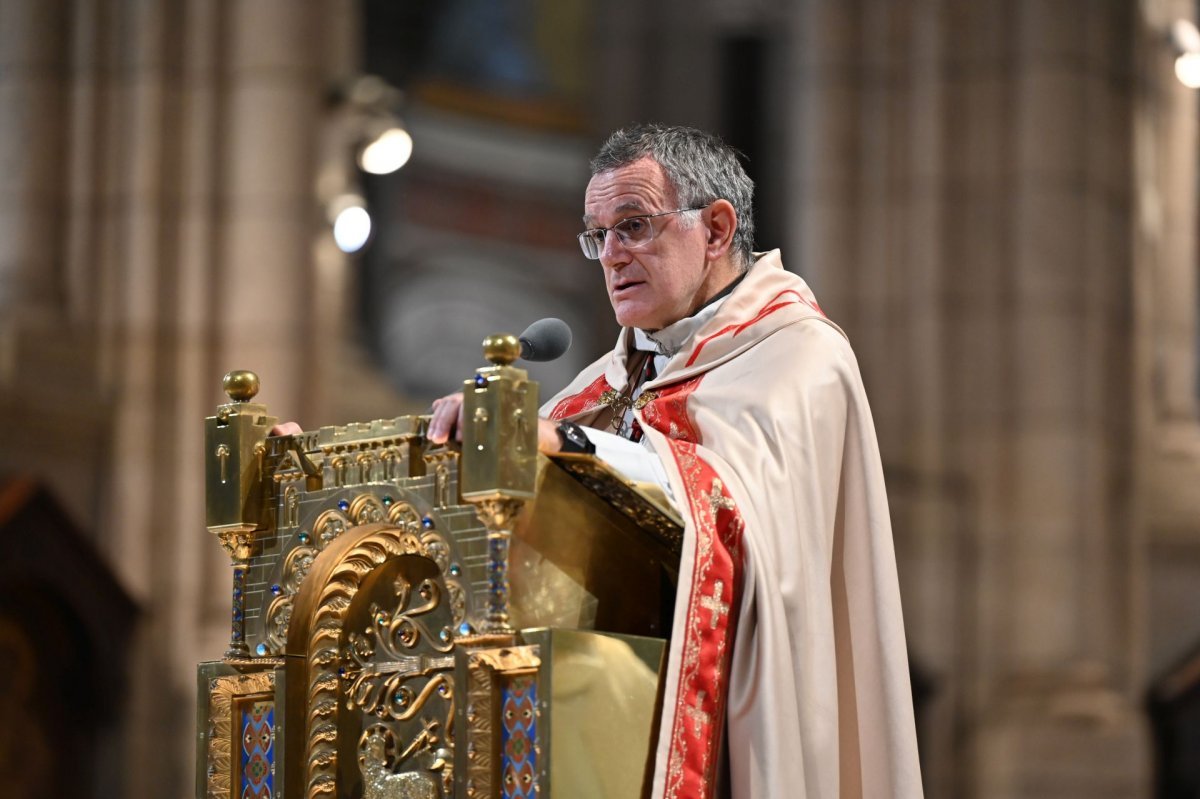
(545, 340)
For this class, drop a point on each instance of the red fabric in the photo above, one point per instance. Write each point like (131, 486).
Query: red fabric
(667, 413)
(698, 721)
(771, 307)
(703, 688)
(585, 400)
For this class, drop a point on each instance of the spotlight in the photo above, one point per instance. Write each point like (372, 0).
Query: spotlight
(388, 152)
(1185, 39)
(351, 223)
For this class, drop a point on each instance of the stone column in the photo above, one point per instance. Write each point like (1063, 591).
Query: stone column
(32, 76)
(963, 196)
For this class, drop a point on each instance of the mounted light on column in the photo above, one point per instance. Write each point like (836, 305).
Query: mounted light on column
(386, 152)
(1185, 39)
(351, 222)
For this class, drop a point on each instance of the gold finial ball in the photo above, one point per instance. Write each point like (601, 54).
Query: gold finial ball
(501, 348)
(241, 385)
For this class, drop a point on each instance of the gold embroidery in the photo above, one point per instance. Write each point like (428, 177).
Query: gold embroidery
(717, 499)
(621, 404)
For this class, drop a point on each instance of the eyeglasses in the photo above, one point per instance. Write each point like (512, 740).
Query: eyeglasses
(634, 232)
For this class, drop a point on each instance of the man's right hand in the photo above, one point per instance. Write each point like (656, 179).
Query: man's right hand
(447, 418)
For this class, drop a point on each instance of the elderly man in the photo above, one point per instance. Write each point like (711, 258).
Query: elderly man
(787, 673)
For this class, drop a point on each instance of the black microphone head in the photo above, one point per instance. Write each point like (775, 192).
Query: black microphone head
(545, 340)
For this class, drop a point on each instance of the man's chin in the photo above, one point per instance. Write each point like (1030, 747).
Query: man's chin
(631, 318)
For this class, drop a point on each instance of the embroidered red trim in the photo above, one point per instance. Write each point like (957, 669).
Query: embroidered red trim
(585, 400)
(771, 307)
(667, 412)
(697, 722)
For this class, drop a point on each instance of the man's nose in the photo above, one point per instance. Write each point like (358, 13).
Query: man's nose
(613, 253)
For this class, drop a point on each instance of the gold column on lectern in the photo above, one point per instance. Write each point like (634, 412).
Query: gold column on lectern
(499, 460)
(235, 446)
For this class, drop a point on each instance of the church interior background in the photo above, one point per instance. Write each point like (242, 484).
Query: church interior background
(997, 200)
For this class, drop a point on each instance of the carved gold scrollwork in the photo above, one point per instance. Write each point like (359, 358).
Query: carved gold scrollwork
(221, 693)
(329, 525)
(366, 509)
(279, 616)
(240, 545)
(402, 688)
(404, 515)
(457, 599)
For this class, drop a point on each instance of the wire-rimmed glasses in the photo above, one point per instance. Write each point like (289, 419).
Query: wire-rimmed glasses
(633, 231)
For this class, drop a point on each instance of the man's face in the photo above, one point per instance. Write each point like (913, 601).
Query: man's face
(664, 281)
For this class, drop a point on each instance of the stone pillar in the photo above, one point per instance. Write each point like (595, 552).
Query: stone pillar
(32, 75)
(158, 221)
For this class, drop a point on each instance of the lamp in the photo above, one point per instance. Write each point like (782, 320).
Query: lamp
(1185, 39)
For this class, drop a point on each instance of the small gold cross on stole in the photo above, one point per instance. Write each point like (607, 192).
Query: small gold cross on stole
(717, 500)
(713, 604)
(700, 718)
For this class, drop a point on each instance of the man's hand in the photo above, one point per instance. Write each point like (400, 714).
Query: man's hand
(286, 429)
(447, 418)
(548, 440)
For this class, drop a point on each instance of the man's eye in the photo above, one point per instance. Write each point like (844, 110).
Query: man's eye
(634, 226)
(595, 236)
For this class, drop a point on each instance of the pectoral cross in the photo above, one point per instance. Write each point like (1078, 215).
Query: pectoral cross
(621, 404)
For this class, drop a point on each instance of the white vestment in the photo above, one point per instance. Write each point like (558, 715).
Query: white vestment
(788, 636)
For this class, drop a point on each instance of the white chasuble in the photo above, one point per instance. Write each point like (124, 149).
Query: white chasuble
(788, 639)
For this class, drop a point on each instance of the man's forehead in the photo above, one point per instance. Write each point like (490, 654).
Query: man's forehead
(640, 186)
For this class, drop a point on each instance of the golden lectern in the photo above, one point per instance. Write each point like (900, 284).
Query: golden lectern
(419, 622)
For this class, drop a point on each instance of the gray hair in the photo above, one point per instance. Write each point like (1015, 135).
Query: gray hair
(700, 167)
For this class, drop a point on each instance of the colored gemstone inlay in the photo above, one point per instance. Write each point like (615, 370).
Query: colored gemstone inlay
(276, 589)
(387, 500)
(257, 761)
(261, 649)
(427, 523)
(304, 537)
(518, 738)
(343, 505)
(480, 381)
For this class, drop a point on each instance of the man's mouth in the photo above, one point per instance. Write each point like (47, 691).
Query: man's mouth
(621, 288)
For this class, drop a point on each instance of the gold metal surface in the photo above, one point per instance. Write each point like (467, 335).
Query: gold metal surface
(234, 443)
(340, 634)
(501, 349)
(241, 385)
(223, 738)
(369, 566)
(484, 670)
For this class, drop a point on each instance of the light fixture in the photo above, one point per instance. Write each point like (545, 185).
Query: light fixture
(387, 152)
(351, 222)
(1185, 39)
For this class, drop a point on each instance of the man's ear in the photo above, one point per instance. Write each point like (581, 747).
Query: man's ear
(722, 223)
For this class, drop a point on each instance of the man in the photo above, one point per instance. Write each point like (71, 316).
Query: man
(787, 655)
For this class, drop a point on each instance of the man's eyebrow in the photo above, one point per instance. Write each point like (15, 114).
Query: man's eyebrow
(628, 205)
